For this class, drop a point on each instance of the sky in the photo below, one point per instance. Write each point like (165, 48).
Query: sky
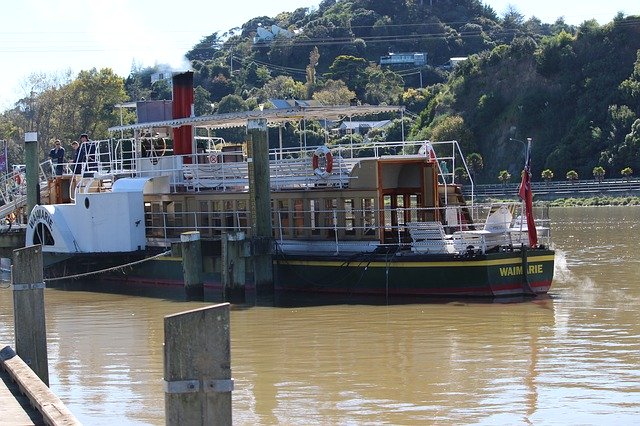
(52, 37)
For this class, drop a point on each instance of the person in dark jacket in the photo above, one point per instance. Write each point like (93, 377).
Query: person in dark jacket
(57, 156)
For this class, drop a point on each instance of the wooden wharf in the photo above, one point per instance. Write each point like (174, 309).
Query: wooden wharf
(25, 399)
(15, 408)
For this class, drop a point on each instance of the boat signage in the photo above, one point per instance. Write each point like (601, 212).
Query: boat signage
(40, 214)
(509, 271)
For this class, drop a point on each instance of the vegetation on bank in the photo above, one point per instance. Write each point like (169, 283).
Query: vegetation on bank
(575, 90)
(580, 201)
(595, 201)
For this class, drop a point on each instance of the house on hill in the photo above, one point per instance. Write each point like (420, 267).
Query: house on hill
(266, 36)
(361, 127)
(415, 59)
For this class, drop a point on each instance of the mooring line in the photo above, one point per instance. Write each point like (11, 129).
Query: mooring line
(113, 268)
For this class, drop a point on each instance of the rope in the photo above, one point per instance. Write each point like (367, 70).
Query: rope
(113, 268)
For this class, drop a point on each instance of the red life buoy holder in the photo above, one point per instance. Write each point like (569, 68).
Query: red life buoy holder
(322, 151)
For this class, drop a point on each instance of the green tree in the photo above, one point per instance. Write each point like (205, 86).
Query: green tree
(504, 177)
(460, 174)
(231, 103)
(202, 101)
(383, 86)
(572, 176)
(284, 87)
(334, 92)
(626, 172)
(452, 128)
(475, 163)
(598, 173)
(547, 175)
(352, 71)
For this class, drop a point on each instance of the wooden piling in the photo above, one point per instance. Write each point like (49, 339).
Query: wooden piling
(28, 309)
(260, 207)
(31, 170)
(233, 266)
(192, 265)
(197, 367)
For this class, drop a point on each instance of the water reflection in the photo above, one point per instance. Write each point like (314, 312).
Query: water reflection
(573, 356)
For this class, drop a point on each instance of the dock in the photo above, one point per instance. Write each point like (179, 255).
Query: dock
(15, 407)
(25, 399)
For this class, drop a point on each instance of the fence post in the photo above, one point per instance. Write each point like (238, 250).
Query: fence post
(197, 367)
(28, 309)
(192, 265)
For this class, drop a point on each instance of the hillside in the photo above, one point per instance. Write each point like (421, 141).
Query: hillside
(574, 90)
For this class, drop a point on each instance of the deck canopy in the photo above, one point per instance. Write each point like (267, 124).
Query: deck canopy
(274, 117)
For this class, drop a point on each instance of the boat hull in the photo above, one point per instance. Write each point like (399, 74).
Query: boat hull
(482, 275)
(406, 275)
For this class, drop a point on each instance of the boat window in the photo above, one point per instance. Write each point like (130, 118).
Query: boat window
(204, 221)
(314, 216)
(42, 235)
(282, 219)
(369, 216)
(298, 217)
(349, 217)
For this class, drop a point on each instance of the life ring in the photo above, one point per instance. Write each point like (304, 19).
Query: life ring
(18, 179)
(324, 152)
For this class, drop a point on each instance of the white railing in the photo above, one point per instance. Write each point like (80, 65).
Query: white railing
(357, 229)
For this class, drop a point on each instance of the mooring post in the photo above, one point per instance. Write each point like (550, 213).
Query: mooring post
(192, 265)
(233, 266)
(31, 172)
(197, 367)
(28, 309)
(260, 207)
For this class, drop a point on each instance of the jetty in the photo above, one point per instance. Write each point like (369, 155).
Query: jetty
(25, 399)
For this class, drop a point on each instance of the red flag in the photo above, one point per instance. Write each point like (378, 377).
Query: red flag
(525, 194)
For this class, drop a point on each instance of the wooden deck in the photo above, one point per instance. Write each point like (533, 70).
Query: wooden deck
(15, 408)
(25, 399)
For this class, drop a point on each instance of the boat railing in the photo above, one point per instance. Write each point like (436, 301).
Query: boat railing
(225, 167)
(366, 229)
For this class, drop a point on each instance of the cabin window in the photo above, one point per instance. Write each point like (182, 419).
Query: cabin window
(282, 219)
(229, 212)
(368, 216)
(243, 223)
(216, 217)
(314, 215)
(204, 222)
(330, 217)
(298, 217)
(349, 217)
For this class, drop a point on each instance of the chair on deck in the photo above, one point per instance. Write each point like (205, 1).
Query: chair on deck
(429, 237)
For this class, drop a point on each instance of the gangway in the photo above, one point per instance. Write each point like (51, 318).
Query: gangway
(13, 188)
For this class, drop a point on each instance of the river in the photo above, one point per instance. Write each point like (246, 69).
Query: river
(573, 358)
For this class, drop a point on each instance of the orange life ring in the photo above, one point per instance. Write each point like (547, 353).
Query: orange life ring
(324, 152)
(18, 179)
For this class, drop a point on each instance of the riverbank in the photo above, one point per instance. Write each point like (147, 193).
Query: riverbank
(577, 201)
(595, 201)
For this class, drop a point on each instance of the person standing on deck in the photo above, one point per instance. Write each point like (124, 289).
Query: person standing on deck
(86, 153)
(57, 156)
(77, 167)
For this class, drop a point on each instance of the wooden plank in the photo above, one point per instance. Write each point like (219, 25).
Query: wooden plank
(15, 408)
(197, 367)
(53, 410)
